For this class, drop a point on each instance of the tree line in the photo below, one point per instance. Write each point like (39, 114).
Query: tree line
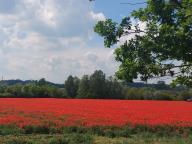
(94, 86)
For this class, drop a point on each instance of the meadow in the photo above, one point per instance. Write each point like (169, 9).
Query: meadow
(77, 112)
(52, 121)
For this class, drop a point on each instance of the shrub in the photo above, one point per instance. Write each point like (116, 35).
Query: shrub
(59, 141)
(5, 95)
(74, 129)
(36, 129)
(81, 139)
(161, 95)
(185, 95)
(8, 130)
(134, 94)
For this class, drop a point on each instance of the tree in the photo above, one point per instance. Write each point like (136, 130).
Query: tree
(84, 89)
(71, 86)
(42, 81)
(15, 90)
(162, 48)
(97, 85)
(114, 89)
(161, 85)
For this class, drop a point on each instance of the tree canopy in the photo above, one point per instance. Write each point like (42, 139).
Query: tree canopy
(162, 48)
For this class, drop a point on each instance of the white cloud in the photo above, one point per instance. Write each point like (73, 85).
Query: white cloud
(98, 16)
(51, 39)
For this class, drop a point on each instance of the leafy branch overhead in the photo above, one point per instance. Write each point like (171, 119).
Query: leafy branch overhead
(162, 48)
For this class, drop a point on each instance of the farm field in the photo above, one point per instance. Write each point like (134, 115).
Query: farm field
(67, 121)
(68, 112)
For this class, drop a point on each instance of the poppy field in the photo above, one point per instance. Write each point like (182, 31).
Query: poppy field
(76, 112)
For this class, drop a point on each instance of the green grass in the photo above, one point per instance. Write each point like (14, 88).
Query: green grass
(91, 139)
(95, 135)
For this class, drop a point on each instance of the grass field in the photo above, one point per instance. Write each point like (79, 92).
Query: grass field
(97, 135)
(64, 139)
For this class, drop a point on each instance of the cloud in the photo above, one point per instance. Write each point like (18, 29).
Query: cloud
(50, 39)
(98, 16)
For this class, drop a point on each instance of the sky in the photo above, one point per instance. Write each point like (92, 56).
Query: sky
(53, 39)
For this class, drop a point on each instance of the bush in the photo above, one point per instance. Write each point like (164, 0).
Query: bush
(150, 94)
(81, 139)
(8, 130)
(185, 95)
(74, 129)
(59, 141)
(5, 95)
(36, 129)
(160, 95)
(134, 94)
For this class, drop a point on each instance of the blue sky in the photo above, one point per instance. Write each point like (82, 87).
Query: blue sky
(115, 10)
(54, 38)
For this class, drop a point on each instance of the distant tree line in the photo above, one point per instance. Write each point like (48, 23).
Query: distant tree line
(94, 86)
(35, 89)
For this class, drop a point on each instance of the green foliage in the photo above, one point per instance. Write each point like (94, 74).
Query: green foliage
(114, 89)
(165, 95)
(71, 86)
(10, 130)
(109, 30)
(98, 87)
(81, 139)
(162, 48)
(185, 95)
(83, 91)
(59, 141)
(36, 129)
(113, 135)
(81, 134)
(154, 94)
(39, 89)
(42, 81)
